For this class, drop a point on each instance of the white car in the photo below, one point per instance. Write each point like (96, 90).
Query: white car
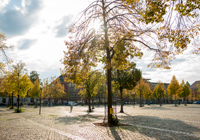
(195, 102)
(72, 103)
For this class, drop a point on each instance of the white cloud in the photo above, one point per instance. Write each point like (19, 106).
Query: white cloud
(41, 30)
(3, 4)
(15, 22)
(185, 66)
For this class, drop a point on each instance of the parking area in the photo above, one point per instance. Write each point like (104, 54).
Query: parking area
(148, 122)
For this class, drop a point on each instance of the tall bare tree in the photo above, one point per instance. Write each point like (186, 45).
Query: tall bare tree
(151, 24)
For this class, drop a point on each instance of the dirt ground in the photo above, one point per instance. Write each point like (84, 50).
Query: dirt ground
(145, 123)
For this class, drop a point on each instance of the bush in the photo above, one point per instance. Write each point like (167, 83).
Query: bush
(10, 107)
(19, 110)
(115, 120)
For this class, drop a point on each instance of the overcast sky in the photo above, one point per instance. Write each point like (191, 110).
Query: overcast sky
(37, 30)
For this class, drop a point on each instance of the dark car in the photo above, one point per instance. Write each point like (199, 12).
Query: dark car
(198, 102)
(2, 104)
(189, 102)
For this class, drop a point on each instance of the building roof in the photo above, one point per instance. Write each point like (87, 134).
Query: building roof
(194, 85)
(61, 77)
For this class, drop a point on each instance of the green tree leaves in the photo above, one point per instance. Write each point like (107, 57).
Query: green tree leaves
(126, 77)
(34, 76)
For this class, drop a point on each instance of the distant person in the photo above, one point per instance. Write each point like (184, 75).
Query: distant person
(71, 107)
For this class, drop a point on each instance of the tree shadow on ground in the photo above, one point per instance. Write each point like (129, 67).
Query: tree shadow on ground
(79, 119)
(191, 106)
(115, 133)
(158, 128)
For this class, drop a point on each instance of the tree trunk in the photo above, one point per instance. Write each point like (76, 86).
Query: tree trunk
(185, 101)
(92, 103)
(40, 104)
(140, 100)
(89, 104)
(49, 102)
(175, 101)
(18, 91)
(18, 100)
(108, 65)
(160, 102)
(55, 102)
(9, 100)
(121, 90)
(99, 100)
(12, 99)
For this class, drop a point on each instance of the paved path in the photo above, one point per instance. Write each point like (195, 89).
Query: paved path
(57, 123)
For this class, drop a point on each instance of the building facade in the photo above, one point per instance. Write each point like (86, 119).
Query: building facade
(70, 90)
(195, 94)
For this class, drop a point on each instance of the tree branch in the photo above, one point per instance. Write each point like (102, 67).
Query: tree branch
(157, 50)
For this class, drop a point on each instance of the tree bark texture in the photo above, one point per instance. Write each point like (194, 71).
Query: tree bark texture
(121, 90)
(108, 64)
(89, 104)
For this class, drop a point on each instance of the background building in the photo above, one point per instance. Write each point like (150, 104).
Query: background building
(194, 96)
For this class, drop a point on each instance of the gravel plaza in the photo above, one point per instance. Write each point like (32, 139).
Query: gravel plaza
(146, 123)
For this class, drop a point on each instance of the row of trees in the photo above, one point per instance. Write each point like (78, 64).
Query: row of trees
(17, 83)
(128, 83)
(175, 90)
(94, 84)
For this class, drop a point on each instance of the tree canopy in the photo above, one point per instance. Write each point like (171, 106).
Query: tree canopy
(34, 76)
(164, 26)
(174, 88)
(90, 85)
(35, 90)
(55, 89)
(141, 89)
(186, 92)
(4, 58)
(7, 84)
(159, 91)
(126, 78)
(21, 80)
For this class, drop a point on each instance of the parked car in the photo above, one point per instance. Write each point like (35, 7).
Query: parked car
(195, 102)
(2, 104)
(189, 102)
(198, 102)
